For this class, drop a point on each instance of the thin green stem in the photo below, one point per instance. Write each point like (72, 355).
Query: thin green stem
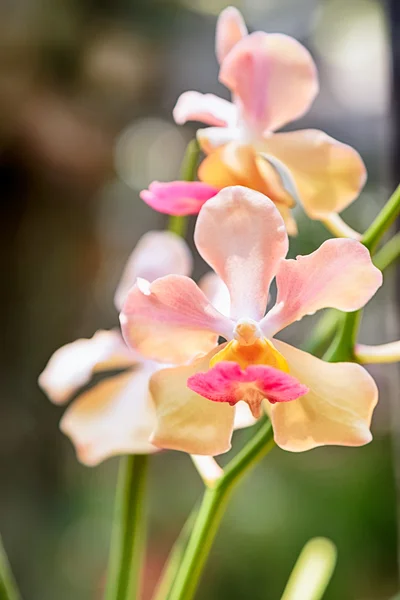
(322, 333)
(174, 559)
(388, 254)
(8, 586)
(188, 172)
(128, 534)
(383, 221)
(211, 511)
(342, 347)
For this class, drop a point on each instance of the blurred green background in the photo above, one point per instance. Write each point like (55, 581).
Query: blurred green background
(86, 93)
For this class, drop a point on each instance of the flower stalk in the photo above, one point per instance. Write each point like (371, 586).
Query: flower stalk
(211, 511)
(188, 172)
(8, 586)
(383, 221)
(128, 536)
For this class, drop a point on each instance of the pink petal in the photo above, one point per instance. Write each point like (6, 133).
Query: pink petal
(230, 29)
(117, 416)
(157, 253)
(340, 274)
(336, 411)
(178, 197)
(273, 78)
(172, 320)
(72, 365)
(226, 382)
(328, 174)
(241, 235)
(185, 420)
(205, 108)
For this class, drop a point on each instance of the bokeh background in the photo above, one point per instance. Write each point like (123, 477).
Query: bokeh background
(86, 93)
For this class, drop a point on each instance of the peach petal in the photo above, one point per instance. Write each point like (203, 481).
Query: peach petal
(226, 382)
(178, 197)
(117, 416)
(328, 175)
(172, 320)
(336, 411)
(157, 253)
(273, 79)
(239, 164)
(241, 235)
(230, 29)
(185, 420)
(72, 365)
(205, 108)
(340, 274)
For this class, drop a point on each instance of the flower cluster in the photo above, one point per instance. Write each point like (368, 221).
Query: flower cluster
(195, 361)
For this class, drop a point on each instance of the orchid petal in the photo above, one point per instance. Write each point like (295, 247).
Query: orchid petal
(336, 411)
(239, 164)
(178, 197)
(241, 235)
(340, 274)
(72, 365)
(114, 417)
(273, 79)
(205, 108)
(243, 416)
(172, 320)
(328, 175)
(216, 291)
(211, 138)
(185, 420)
(226, 382)
(230, 29)
(157, 253)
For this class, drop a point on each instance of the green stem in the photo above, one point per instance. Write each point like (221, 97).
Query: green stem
(128, 530)
(8, 586)
(174, 559)
(383, 221)
(322, 333)
(212, 508)
(388, 254)
(188, 172)
(342, 347)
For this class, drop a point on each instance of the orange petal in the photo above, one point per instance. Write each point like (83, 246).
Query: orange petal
(328, 175)
(114, 417)
(336, 411)
(185, 420)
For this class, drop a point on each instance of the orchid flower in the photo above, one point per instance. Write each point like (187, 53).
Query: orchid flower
(242, 236)
(273, 81)
(117, 415)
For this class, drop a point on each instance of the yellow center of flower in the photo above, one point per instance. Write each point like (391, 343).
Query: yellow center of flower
(259, 352)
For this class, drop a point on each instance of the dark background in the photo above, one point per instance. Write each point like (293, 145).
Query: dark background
(86, 93)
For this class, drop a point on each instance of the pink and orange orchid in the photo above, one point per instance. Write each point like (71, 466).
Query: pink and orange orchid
(273, 80)
(242, 236)
(117, 415)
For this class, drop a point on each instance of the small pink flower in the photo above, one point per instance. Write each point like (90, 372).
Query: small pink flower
(178, 198)
(242, 236)
(273, 81)
(117, 415)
